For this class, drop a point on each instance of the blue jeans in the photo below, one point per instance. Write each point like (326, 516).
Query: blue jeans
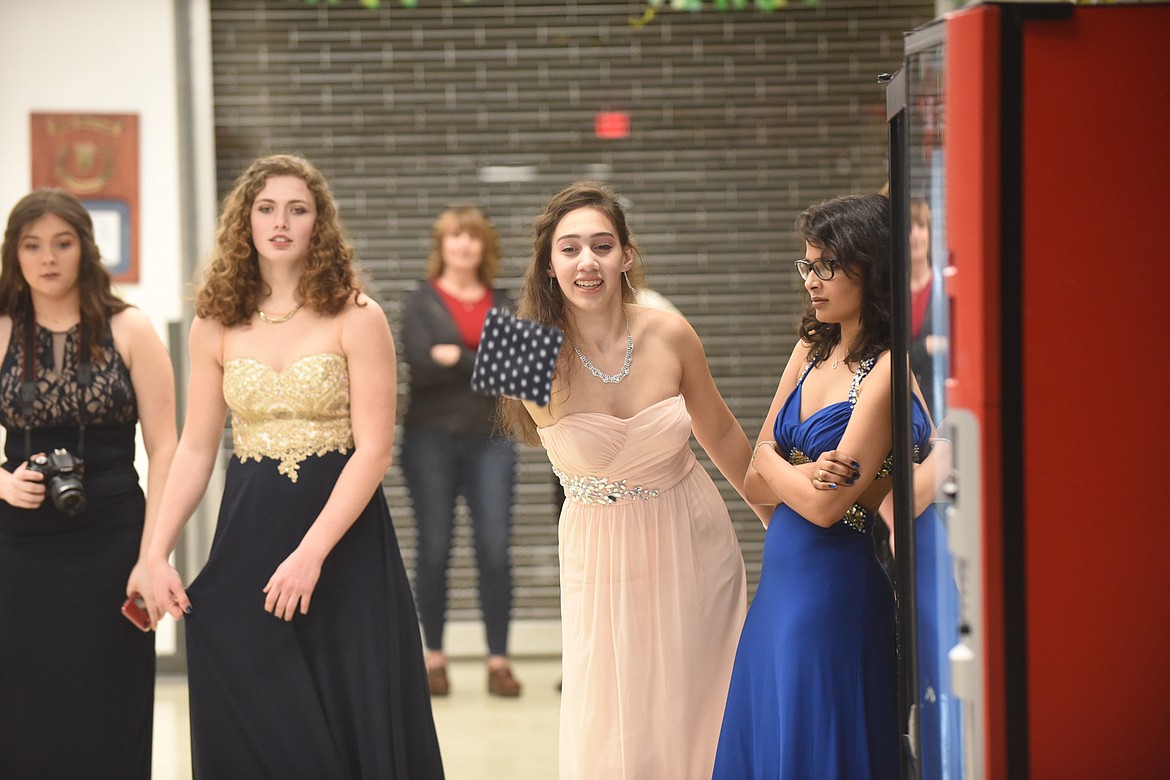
(438, 467)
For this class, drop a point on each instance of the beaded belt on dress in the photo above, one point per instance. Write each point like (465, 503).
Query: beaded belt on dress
(600, 491)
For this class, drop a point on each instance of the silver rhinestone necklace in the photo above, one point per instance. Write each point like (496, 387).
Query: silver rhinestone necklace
(597, 372)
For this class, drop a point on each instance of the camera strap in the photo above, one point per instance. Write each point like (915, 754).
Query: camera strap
(28, 387)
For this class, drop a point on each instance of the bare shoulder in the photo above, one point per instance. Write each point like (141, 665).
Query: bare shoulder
(5, 331)
(799, 355)
(879, 379)
(363, 312)
(206, 338)
(207, 326)
(131, 329)
(659, 319)
(793, 368)
(800, 350)
(673, 329)
(363, 325)
(131, 322)
(881, 366)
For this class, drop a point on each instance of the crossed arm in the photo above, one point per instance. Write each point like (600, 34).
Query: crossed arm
(867, 438)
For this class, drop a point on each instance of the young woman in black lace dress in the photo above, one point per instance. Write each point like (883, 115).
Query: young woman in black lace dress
(76, 679)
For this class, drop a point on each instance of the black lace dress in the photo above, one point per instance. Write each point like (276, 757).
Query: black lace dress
(76, 678)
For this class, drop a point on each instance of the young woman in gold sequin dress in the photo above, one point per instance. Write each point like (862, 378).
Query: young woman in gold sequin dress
(304, 654)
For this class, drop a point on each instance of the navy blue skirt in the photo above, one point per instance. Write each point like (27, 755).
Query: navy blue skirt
(338, 693)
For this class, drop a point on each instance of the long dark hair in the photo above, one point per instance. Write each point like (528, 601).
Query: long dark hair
(855, 229)
(98, 301)
(540, 297)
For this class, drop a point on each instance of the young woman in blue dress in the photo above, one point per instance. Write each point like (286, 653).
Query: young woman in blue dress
(814, 687)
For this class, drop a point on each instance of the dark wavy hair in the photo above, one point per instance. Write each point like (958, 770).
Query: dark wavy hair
(540, 296)
(98, 301)
(232, 287)
(855, 229)
(454, 221)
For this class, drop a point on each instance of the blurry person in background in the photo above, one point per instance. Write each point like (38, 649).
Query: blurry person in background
(81, 368)
(449, 447)
(937, 594)
(927, 341)
(927, 345)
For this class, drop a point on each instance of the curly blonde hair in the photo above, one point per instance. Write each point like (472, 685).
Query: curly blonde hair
(232, 286)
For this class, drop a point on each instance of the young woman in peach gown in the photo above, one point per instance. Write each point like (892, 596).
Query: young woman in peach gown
(652, 579)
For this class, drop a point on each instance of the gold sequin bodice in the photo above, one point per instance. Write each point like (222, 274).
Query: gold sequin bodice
(288, 415)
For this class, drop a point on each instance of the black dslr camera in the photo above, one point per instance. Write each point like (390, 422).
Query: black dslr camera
(63, 473)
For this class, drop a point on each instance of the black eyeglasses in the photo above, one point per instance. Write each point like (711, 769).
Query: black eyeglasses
(824, 268)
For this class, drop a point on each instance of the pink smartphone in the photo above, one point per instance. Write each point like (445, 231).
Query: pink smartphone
(134, 608)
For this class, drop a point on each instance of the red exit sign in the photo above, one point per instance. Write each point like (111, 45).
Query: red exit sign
(611, 124)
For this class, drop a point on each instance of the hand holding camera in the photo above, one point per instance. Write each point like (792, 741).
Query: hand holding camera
(22, 488)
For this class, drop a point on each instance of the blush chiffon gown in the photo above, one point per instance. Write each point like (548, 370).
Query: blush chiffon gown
(652, 597)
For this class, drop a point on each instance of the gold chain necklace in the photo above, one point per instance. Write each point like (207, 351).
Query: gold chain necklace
(278, 320)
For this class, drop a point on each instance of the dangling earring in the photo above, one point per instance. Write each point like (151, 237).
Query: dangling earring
(628, 282)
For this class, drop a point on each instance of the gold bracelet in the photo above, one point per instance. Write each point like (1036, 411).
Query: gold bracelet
(769, 443)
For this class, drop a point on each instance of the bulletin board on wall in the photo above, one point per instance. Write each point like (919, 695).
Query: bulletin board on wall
(95, 157)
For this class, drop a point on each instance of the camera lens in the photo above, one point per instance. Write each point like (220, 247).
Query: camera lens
(68, 495)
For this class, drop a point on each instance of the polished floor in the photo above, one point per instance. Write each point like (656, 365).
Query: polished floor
(482, 737)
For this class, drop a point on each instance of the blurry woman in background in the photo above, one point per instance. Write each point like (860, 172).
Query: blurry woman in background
(937, 596)
(926, 340)
(449, 448)
(81, 367)
(922, 291)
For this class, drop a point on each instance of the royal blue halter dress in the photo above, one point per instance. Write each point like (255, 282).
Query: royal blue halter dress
(814, 688)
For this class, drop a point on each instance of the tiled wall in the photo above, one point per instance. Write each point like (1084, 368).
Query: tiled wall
(738, 120)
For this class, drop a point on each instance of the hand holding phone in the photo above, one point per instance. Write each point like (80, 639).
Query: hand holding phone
(134, 608)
